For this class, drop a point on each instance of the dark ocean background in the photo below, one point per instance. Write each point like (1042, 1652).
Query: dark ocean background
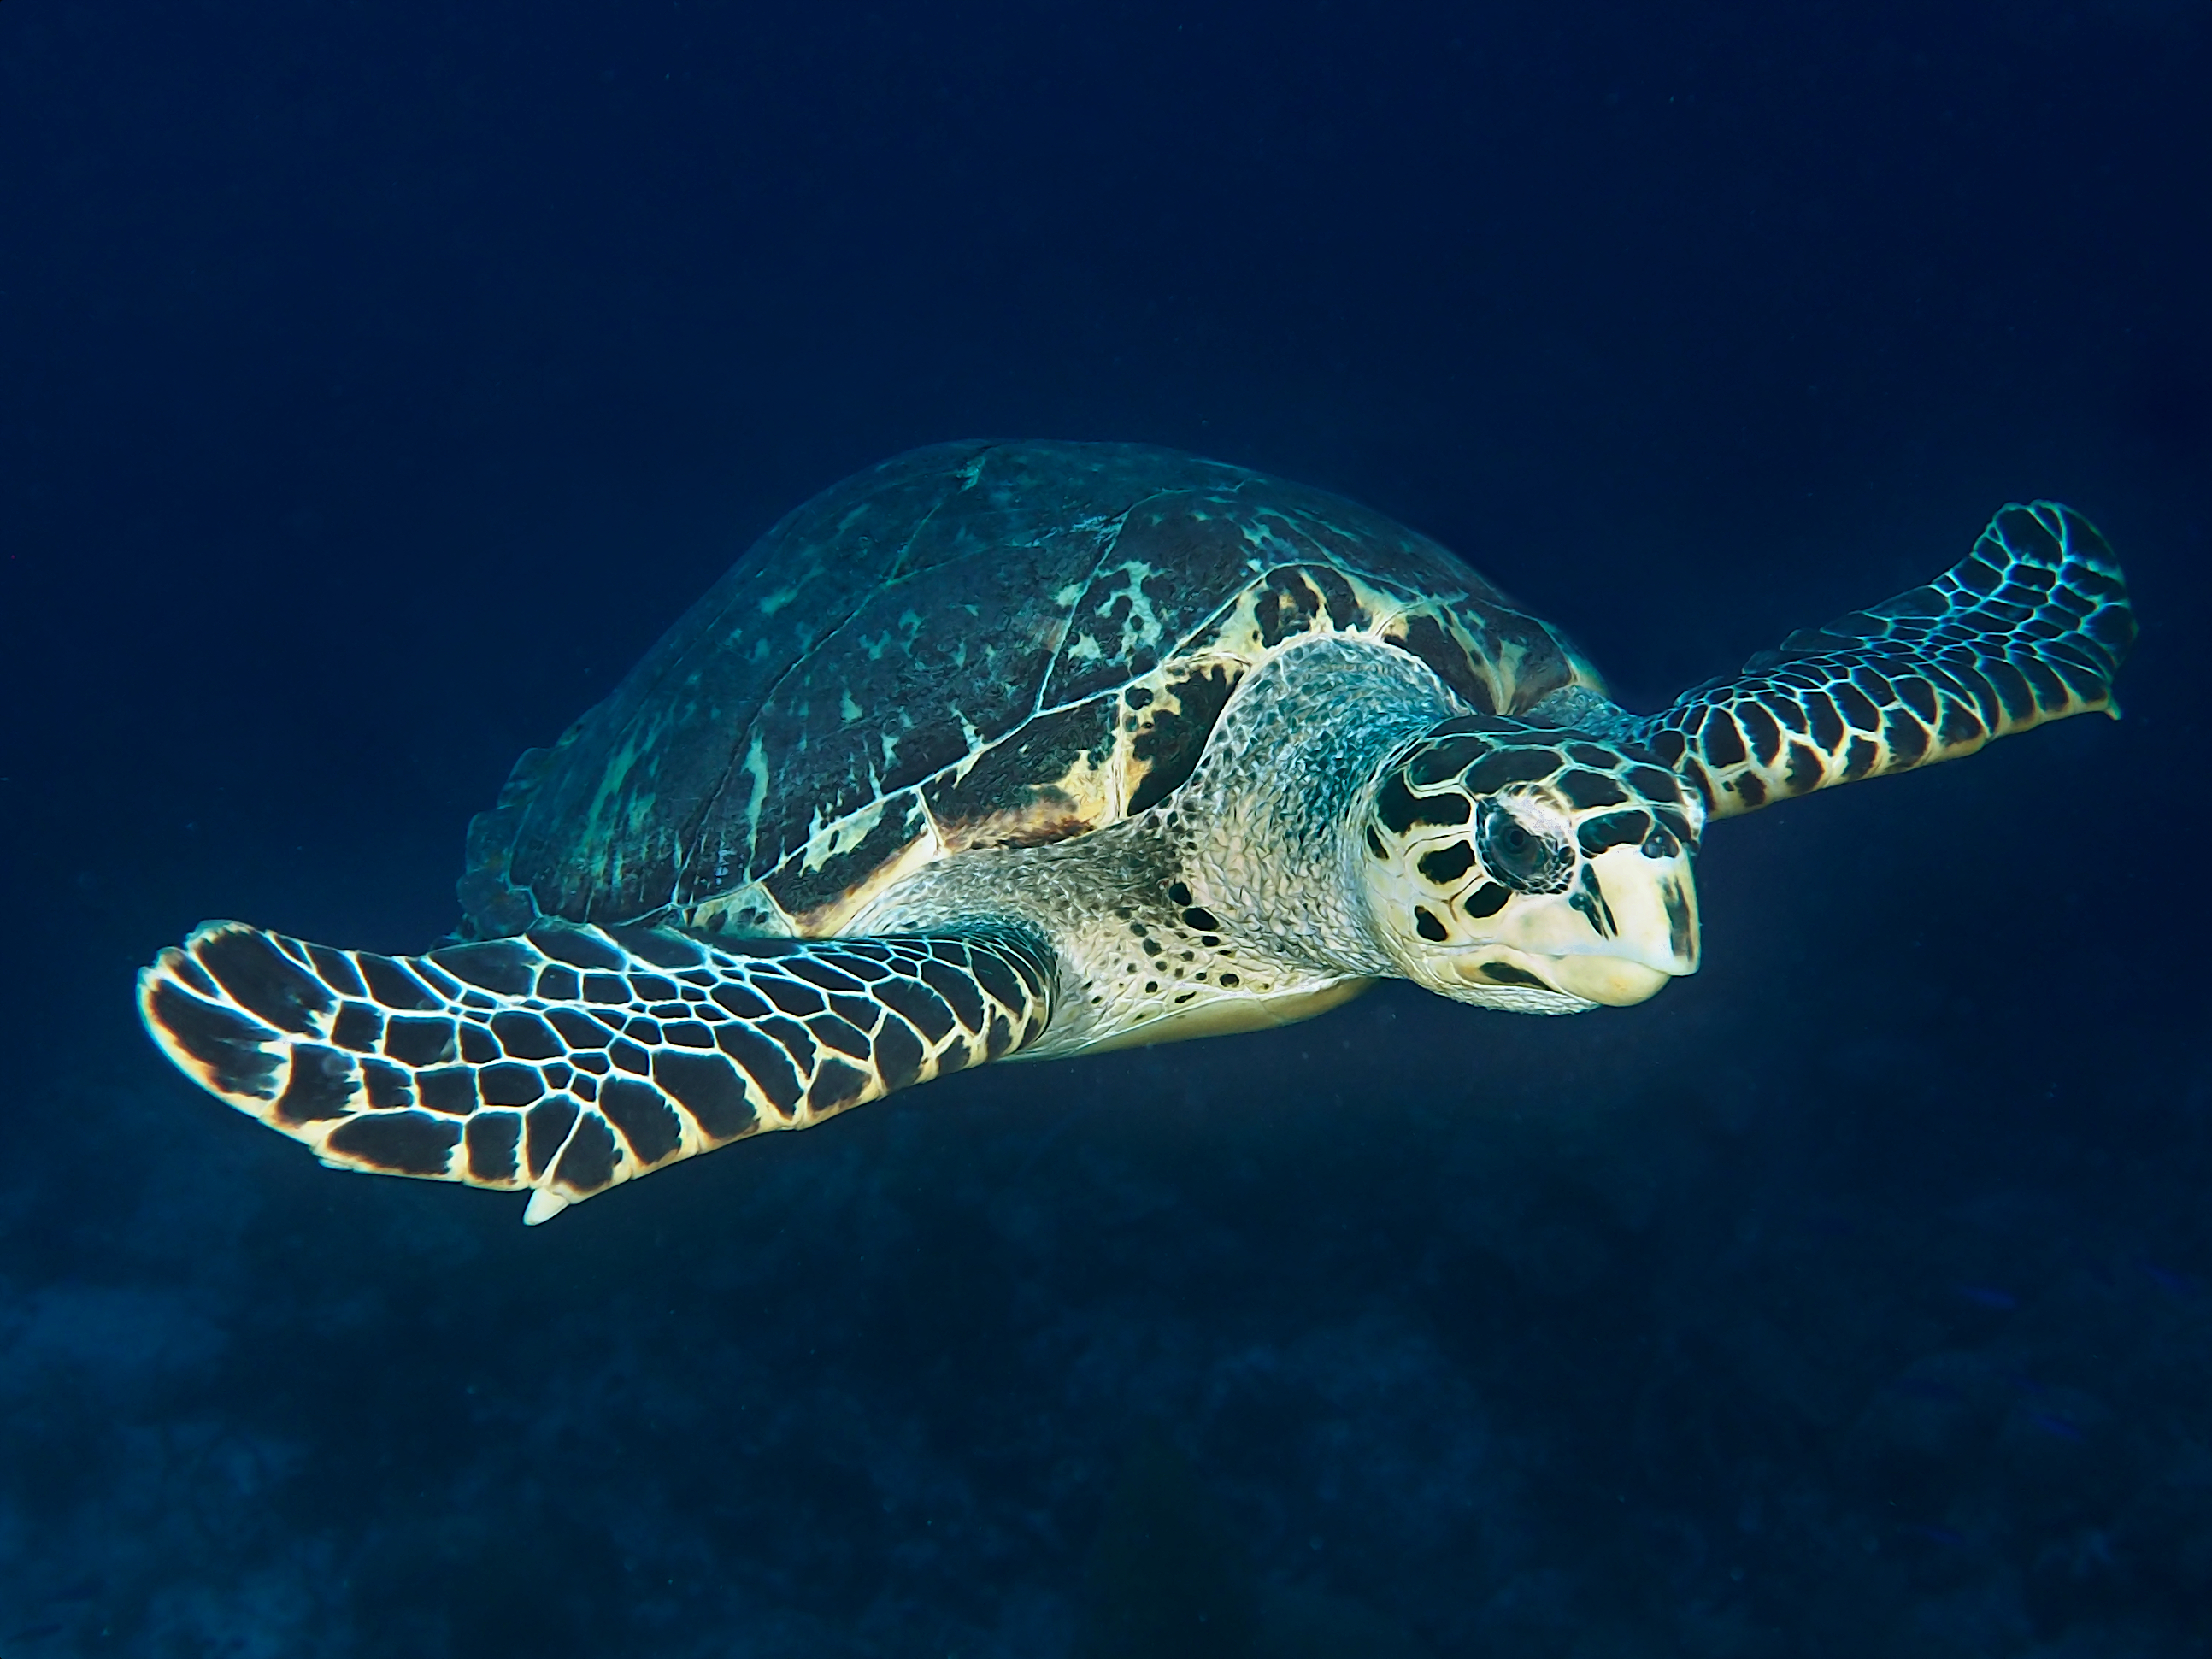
(378, 380)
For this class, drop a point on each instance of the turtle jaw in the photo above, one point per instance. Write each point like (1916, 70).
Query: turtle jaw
(1605, 981)
(1626, 926)
(1610, 931)
(1635, 928)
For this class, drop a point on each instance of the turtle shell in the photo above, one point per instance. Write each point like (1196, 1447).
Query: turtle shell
(974, 645)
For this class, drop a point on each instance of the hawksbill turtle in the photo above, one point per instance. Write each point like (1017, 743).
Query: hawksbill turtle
(1040, 749)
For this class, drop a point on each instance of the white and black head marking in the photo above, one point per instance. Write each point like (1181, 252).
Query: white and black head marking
(1518, 867)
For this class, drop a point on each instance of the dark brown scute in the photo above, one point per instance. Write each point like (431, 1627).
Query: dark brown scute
(392, 986)
(1285, 606)
(738, 1000)
(827, 976)
(448, 1089)
(416, 1040)
(922, 1008)
(1170, 745)
(1584, 790)
(1006, 799)
(898, 1054)
(263, 979)
(336, 971)
(1440, 761)
(544, 1129)
(996, 977)
(958, 991)
(509, 1084)
(388, 1087)
(836, 1085)
(358, 1027)
(766, 1063)
(492, 1138)
(791, 995)
(322, 1086)
(578, 1030)
(658, 946)
(1426, 638)
(1723, 743)
(1823, 721)
(503, 965)
(1803, 774)
(710, 1090)
(647, 1121)
(576, 946)
(405, 1143)
(524, 1035)
(1761, 729)
(1493, 772)
(796, 1039)
(1401, 809)
(799, 890)
(1906, 737)
(589, 1162)
(861, 1013)
(842, 1034)
(220, 1040)
(1447, 864)
(1611, 829)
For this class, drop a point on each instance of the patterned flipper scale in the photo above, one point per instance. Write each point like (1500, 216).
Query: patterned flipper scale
(2030, 626)
(571, 1059)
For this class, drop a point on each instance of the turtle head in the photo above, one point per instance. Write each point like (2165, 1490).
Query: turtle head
(1521, 867)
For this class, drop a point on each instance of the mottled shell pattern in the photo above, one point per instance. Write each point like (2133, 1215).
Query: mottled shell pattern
(975, 645)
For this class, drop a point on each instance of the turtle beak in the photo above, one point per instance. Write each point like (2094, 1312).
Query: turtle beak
(1611, 981)
(1627, 926)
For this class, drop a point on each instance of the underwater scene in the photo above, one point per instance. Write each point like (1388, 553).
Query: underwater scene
(1273, 578)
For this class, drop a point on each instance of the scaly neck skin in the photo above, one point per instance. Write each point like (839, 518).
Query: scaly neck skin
(1270, 825)
(1267, 835)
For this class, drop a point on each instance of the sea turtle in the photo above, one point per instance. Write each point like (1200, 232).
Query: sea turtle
(1042, 749)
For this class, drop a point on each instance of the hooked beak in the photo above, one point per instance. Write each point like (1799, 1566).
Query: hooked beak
(1629, 925)
(1613, 982)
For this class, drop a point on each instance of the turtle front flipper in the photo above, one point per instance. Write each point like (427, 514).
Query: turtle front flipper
(569, 1059)
(2030, 626)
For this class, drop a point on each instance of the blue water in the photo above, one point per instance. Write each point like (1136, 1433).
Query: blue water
(377, 381)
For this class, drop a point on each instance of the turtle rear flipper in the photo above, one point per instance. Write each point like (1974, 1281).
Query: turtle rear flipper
(563, 1062)
(2029, 627)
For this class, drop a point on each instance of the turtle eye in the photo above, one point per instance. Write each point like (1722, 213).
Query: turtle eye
(1524, 859)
